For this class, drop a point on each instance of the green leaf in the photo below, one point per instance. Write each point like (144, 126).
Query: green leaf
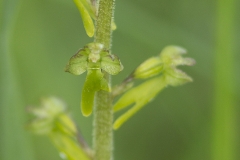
(94, 82)
(87, 20)
(139, 95)
(77, 63)
(111, 64)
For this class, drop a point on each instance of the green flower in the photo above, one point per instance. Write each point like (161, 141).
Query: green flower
(165, 66)
(52, 119)
(94, 59)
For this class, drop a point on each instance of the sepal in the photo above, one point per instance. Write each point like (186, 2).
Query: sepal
(111, 64)
(77, 63)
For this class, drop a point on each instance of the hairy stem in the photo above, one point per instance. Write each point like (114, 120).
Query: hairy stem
(103, 22)
(103, 114)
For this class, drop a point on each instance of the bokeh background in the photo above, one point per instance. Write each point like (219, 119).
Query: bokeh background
(39, 36)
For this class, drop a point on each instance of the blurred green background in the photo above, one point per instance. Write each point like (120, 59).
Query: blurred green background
(39, 37)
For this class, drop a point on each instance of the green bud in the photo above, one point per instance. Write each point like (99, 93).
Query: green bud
(85, 12)
(77, 63)
(151, 67)
(111, 64)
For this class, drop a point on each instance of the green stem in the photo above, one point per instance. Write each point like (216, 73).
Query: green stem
(103, 113)
(104, 22)
(224, 126)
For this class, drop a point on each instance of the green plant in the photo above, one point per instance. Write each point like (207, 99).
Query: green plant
(98, 95)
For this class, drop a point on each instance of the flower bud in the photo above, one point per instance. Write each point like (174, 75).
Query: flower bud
(149, 68)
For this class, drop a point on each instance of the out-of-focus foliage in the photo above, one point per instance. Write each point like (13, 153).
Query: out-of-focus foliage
(176, 125)
(51, 119)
